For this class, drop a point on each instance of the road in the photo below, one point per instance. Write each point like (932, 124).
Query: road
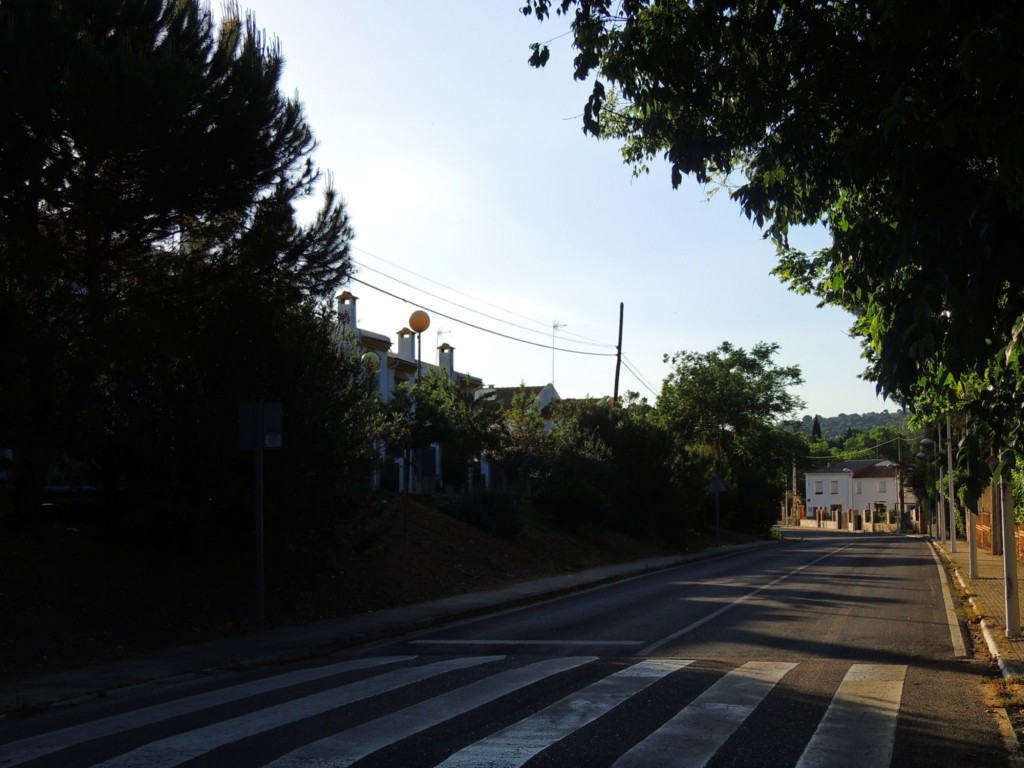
(834, 650)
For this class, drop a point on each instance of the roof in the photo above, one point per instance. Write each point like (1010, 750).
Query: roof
(882, 469)
(505, 395)
(859, 468)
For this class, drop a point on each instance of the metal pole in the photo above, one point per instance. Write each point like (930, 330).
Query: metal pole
(972, 540)
(949, 476)
(940, 509)
(259, 515)
(1010, 579)
(997, 519)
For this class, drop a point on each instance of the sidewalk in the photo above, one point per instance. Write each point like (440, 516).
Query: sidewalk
(987, 596)
(318, 639)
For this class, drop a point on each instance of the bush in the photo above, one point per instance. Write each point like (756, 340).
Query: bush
(572, 502)
(494, 512)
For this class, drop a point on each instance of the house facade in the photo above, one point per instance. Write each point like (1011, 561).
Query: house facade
(864, 495)
(393, 366)
(416, 471)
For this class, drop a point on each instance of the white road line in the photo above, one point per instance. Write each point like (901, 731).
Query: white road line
(178, 749)
(859, 727)
(739, 601)
(959, 650)
(22, 751)
(698, 731)
(529, 642)
(516, 744)
(345, 748)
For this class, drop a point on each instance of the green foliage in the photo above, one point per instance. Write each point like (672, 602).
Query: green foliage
(152, 274)
(897, 128)
(440, 410)
(523, 446)
(571, 502)
(726, 390)
(495, 512)
(614, 457)
(838, 426)
(721, 408)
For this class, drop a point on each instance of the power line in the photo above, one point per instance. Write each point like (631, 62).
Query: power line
(461, 306)
(631, 367)
(638, 377)
(594, 342)
(480, 328)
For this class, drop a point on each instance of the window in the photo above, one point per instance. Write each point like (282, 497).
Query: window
(819, 487)
(833, 487)
(881, 486)
(857, 489)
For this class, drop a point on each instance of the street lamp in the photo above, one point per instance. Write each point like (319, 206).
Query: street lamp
(419, 321)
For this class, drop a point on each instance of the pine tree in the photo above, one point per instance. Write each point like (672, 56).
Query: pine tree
(148, 170)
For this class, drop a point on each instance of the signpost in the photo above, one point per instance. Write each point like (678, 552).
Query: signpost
(259, 429)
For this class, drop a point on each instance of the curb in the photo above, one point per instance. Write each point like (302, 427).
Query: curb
(989, 630)
(442, 618)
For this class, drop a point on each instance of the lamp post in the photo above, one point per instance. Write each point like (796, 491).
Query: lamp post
(419, 321)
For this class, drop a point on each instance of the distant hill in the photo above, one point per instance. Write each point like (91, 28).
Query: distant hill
(838, 426)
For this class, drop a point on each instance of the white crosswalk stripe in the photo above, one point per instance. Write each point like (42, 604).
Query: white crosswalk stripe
(857, 728)
(860, 725)
(692, 737)
(518, 743)
(39, 746)
(348, 746)
(177, 749)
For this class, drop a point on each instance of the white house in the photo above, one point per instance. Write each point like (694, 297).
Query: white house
(393, 368)
(857, 495)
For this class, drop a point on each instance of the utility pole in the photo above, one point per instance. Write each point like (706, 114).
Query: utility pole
(618, 356)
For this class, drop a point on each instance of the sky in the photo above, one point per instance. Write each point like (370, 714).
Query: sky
(475, 195)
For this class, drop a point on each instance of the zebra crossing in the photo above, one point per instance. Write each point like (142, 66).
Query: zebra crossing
(478, 711)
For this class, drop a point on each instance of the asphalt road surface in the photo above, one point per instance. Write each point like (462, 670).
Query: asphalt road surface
(834, 650)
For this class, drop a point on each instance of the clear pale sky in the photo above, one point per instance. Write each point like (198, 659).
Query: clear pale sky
(474, 194)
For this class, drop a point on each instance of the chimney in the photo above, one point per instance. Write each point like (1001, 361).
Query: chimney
(407, 345)
(446, 359)
(347, 310)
